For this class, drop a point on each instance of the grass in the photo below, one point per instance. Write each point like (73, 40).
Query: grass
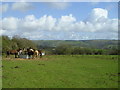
(63, 71)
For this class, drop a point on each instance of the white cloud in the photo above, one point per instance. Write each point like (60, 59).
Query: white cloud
(10, 23)
(67, 19)
(46, 22)
(4, 8)
(97, 25)
(65, 23)
(22, 6)
(98, 14)
(58, 5)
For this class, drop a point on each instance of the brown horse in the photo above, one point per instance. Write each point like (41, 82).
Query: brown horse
(12, 52)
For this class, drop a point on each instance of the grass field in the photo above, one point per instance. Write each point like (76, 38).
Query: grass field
(63, 71)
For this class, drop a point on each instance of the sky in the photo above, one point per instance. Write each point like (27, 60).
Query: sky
(60, 20)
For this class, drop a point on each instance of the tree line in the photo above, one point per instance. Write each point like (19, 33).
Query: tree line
(70, 50)
(17, 42)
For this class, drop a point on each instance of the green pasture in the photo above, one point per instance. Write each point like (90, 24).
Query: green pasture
(61, 71)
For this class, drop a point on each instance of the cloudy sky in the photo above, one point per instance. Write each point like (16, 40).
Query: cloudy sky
(60, 21)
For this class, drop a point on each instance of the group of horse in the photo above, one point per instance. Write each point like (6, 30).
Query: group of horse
(32, 53)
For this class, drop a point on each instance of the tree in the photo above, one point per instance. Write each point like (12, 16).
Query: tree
(15, 43)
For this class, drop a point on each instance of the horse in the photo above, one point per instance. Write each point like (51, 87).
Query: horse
(13, 52)
(36, 53)
(30, 52)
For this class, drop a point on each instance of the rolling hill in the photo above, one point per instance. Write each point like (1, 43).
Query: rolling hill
(98, 44)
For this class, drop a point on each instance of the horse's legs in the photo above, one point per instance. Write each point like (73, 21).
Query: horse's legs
(7, 54)
(33, 56)
(15, 55)
(40, 55)
(29, 56)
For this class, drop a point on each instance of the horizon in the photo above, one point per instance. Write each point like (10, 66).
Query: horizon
(60, 40)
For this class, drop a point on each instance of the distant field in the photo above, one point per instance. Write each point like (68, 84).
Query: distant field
(63, 71)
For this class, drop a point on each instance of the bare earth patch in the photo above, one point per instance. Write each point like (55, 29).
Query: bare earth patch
(26, 59)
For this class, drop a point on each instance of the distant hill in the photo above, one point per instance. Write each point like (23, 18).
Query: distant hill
(98, 44)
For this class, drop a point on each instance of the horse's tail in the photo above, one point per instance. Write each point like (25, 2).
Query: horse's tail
(40, 53)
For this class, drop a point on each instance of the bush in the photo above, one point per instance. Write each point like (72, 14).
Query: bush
(63, 49)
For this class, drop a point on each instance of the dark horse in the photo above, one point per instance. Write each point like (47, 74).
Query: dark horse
(30, 52)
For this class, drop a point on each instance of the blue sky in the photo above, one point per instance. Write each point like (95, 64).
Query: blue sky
(51, 21)
(79, 9)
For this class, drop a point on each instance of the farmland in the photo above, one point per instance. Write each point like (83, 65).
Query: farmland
(61, 71)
